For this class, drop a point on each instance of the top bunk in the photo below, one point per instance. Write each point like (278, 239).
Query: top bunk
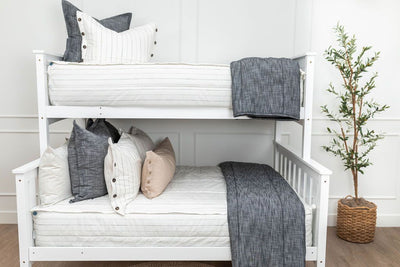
(145, 91)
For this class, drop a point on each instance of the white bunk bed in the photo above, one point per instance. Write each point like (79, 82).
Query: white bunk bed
(308, 178)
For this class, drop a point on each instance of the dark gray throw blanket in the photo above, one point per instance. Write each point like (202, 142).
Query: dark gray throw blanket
(266, 88)
(265, 217)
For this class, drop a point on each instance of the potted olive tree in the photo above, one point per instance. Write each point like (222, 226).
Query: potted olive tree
(352, 141)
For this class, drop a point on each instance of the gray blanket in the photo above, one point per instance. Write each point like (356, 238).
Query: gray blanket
(266, 88)
(265, 217)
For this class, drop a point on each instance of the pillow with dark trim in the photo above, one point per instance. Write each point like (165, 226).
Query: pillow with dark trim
(73, 52)
(86, 153)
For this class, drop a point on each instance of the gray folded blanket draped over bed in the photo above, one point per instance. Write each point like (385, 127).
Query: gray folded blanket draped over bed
(266, 88)
(265, 217)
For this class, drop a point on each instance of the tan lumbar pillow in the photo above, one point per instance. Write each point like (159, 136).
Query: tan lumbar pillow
(158, 169)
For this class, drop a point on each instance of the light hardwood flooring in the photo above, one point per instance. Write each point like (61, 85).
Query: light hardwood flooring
(384, 251)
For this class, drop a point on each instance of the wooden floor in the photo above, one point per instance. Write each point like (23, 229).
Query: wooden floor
(384, 251)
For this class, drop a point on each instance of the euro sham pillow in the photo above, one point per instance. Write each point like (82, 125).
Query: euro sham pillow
(73, 51)
(86, 153)
(158, 169)
(141, 140)
(104, 46)
(54, 180)
(122, 172)
(103, 127)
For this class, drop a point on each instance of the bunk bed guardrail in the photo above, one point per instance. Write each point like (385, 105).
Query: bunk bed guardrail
(49, 114)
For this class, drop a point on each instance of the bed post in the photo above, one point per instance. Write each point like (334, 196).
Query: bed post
(25, 180)
(322, 220)
(278, 139)
(308, 105)
(43, 99)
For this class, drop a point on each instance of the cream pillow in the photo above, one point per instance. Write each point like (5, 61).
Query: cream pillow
(104, 46)
(54, 181)
(158, 169)
(141, 140)
(122, 170)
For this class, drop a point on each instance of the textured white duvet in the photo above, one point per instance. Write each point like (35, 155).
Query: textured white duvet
(152, 84)
(192, 212)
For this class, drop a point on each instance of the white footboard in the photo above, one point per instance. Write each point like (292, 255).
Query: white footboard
(310, 180)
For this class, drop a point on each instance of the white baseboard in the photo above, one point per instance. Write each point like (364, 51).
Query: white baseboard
(8, 217)
(383, 220)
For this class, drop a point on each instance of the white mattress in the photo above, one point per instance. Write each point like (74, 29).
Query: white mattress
(152, 84)
(192, 212)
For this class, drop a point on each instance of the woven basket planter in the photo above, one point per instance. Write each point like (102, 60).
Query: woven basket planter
(356, 224)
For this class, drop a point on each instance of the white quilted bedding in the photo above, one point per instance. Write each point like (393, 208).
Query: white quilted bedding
(190, 213)
(151, 84)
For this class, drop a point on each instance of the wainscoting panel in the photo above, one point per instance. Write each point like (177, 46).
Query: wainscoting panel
(213, 148)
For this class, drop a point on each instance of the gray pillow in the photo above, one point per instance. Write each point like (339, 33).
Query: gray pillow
(103, 127)
(73, 50)
(86, 153)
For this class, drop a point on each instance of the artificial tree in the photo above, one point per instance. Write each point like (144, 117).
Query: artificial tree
(353, 141)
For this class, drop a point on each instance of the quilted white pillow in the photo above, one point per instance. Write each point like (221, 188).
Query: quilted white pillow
(104, 46)
(122, 172)
(54, 181)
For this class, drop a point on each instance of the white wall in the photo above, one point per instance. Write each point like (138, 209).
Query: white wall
(210, 31)
(375, 23)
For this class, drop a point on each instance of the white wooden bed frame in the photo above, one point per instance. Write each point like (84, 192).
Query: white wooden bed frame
(308, 178)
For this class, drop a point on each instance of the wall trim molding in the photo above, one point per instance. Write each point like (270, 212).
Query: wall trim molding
(18, 116)
(369, 197)
(31, 131)
(331, 134)
(383, 220)
(5, 194)
(316, 118)
(321, 118)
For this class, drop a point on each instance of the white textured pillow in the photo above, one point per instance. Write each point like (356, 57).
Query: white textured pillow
(141, 140)
(54, 181)
(122, 172)
(104, 46)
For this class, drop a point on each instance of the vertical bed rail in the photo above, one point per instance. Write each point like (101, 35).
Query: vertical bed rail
(25, 180)
(310, 180)
(42, 60)
(306, 63)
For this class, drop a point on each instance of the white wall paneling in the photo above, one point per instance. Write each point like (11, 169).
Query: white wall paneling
(213, 31)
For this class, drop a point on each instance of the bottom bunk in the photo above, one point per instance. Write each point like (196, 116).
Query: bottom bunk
(193, 209)
(192, 212)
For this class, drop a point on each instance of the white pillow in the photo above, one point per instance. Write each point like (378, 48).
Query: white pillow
(141, 140)
(122, 173)
(54, 181)
(104, 46)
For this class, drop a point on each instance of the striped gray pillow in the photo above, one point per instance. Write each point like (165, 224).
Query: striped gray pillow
(86, 153)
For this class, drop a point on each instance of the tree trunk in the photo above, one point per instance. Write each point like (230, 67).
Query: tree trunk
(355, 182)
